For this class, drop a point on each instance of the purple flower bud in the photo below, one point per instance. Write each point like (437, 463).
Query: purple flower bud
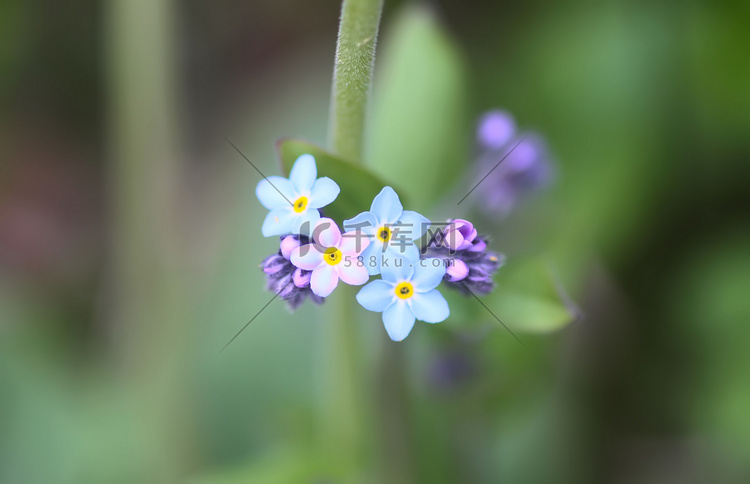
(456, 271)
(477, 245)
(273, 264)
(301, 277)
(287, 291)
(495, 129)
(459, 235)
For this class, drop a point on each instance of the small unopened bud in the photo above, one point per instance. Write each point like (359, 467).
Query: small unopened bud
(301, 277)
(287, 291)
(288, 244)
(273, 264)
(457, 270)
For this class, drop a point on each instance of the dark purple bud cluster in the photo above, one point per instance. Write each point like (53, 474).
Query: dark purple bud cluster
(469, 265)
(291, 283)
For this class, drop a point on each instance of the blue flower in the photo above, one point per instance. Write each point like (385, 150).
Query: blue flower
(391, 230)
(295, 201)
(405, 293)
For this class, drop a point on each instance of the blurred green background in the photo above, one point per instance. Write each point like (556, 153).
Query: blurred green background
(130, 244)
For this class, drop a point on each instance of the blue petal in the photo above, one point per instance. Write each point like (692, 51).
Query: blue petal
(373, 256)
(279, 222)
(428, 273)
(365, 221)
(414, 225)
(408, 250)
(268, 190)
(323, 192)
(398, 320)
(303, 174)
(386, 206)
(396, 268)
(306, 222)
(430, 307)
(376, 296)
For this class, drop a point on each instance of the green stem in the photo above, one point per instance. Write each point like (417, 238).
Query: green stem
(343, 427)
(343, 424)
(355, 58)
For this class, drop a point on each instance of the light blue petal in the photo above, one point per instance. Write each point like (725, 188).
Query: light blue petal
(376, 296)
(398, 320)
(428, 273)
(303, 174)
(372, 257)
(279, 222)
(365, 221)
(408, 251)
(269, 196)
(386, 206)
(413, 225)
(306, 222)
(430, 307)
(324, 191)
(396, 268)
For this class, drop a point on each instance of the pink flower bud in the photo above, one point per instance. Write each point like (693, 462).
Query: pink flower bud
(457, 270)
(288, 244)
(459, 234)
(301, 277)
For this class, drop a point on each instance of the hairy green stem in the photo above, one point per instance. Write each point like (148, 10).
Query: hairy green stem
(355, 58)
(344, 422)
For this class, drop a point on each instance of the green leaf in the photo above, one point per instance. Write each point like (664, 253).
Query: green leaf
(530, 313)
(358, 185)
(529, 299)
(419, 132)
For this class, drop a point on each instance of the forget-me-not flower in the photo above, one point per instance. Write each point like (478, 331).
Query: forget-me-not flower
(391, 230)
(332, 256)
(294, 201)
(406, 293)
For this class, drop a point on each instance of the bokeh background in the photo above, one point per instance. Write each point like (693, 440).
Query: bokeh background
(130, 244)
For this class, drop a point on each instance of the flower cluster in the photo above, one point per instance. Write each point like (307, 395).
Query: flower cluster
(469, 265)
(525, 164)
(291, 283)
(315, 255)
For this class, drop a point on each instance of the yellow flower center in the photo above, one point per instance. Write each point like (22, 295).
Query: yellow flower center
(384, 234)
(332, 255)
(300, 204)
(404, 290)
